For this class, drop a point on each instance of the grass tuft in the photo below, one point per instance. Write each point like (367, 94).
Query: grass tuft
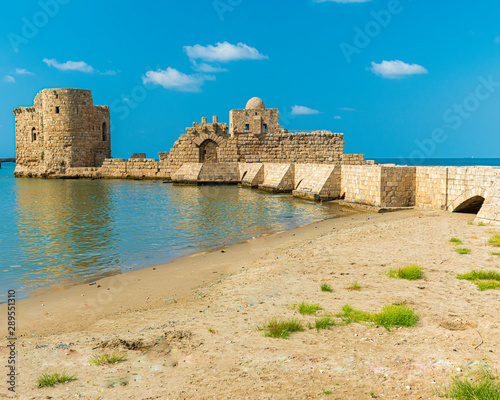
(485, 387)
(494, 240)
(495, 254)
(411, 273)
(326, 287)
(396, 315)
(455, 240)
(308, 308)
(486, 285)
(481, 224)
(104, 359)
(323, 323)
(470, 223)
(354, 286)
(350, 314)
(52, 379)
(484, 280)
(390, 316)
(462, 250)
(282, 329)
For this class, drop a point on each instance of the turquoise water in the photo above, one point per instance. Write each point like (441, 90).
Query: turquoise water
(62, 232)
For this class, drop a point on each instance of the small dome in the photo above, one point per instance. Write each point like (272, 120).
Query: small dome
(255, 103)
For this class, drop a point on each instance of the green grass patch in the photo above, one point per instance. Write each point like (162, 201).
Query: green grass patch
(455, 240)
(494, 240)
(411, 273)
(326, 287)
(484, 387)
(486, 285)
(282, 329)
(323, 323)
(495, 254)
(52, 379)
(355, 286)
(484, 280)
(305, 308)
(470, 223)
(390, 316)
(103, 359)
(481, 224)
(463, 250)
(350, 314)
(396, 315)
(480, 275)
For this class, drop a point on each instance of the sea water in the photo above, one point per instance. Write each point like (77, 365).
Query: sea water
(60, 232)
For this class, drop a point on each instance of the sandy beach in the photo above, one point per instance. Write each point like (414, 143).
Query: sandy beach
(190, 328)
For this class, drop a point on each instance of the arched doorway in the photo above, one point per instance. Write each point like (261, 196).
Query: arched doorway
(470, 206)
(208, 152)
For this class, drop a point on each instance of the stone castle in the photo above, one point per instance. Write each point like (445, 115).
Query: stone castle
(65, 135)
(63, 130)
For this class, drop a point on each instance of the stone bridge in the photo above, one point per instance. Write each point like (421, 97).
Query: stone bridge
(386, 187)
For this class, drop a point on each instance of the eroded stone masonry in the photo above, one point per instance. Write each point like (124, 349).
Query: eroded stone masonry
(63, 130)
(65, 135)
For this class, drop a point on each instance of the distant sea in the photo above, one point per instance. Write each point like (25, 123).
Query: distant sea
(448, 162)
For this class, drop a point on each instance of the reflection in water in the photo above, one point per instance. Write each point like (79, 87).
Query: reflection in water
(64, 229)
(62, 232)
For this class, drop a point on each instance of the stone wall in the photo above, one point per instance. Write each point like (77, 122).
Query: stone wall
(397, 186)
(383, 186)
(490, 211)
(361, 184)
(258, 122)
(63, 130)
(278, 178)
(446, 188)
(255, 136)
(140, 168)
(317, 181)
(311, 147)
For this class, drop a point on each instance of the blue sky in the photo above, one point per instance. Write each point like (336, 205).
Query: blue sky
(404, 78)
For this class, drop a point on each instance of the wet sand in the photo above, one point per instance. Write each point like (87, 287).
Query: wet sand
(189, 328)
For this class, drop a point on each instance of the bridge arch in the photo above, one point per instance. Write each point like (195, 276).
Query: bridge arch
(469, 202)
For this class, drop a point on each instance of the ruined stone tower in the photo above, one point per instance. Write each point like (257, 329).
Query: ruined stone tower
(63, 130)
(255, 119)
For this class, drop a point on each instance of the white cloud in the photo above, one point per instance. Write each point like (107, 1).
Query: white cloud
(9, 79)
(302, 110)
(341, 1)
(223, 52)
(396, 69)
(23, 71)
(347, 109)
(176, 80)
(337, 117)
(81, 66)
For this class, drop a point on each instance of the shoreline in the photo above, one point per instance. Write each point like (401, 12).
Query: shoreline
(195, 252)
(117, 283)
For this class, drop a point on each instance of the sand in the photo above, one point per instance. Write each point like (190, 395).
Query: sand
(190, 328)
